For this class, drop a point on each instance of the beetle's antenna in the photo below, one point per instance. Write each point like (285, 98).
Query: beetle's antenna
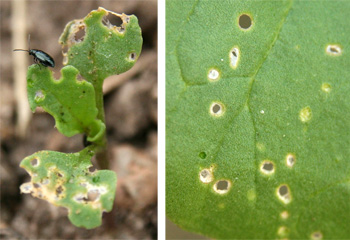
(21, 50)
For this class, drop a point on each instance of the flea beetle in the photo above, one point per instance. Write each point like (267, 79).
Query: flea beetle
(40, 57)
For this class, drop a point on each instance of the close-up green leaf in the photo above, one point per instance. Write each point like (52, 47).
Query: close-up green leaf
(258, 118)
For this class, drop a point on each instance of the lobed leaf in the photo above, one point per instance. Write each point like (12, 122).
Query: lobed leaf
(70, 101)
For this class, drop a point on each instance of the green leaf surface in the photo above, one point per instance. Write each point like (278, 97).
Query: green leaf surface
(70, 101)
(258, 118)
(65, 180)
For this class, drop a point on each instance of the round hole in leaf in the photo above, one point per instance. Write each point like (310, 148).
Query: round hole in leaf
(222, 186)
(245, 21)
(92, 169)
(290, 160)
(132, 56)
(213, 74)
(34, 162)
(316, 236)
(283, 193)
(333, 50)
(93, 195)
(216, 109)
(283, 190)
(206, 176)
(59, 190)
(234, 57)
(267, 167)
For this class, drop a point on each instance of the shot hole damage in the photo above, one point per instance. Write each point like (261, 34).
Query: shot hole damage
(34, 162)
(290, 160)
(80, 34)
(234, 57)
(75, 34)
(59, 190)
(267, 167)
(316, 235)
(132, 56)
(213, 75)
(93, 195)
(113, 21)
(116, 22)
(59, 174)
(283, 193)
(244, 21)
(222, 186)
(216, 109)
(92, 169)
(206, 176)
(333, 50)
(26, 187)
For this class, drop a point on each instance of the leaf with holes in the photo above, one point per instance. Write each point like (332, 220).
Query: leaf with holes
(77, 106)
(65, 180)
(70, 101)
(104, 49)
(258, 113)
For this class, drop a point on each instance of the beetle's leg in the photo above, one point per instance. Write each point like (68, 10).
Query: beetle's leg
(36, 60)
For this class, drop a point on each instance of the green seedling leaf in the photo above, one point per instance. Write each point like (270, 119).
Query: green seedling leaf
(77, 106)
(70, 101)
(65, 180)
(104, 49)
(258, 109)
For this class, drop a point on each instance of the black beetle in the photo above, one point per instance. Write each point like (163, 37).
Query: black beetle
(40, 57)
